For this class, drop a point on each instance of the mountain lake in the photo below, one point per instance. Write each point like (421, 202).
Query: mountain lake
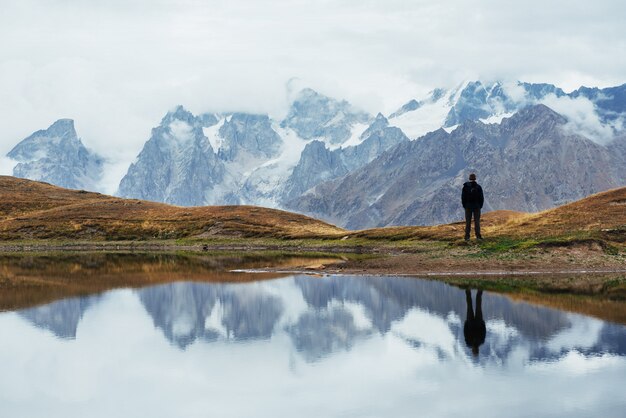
(180, 336)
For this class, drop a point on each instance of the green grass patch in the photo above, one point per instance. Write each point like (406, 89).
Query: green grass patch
(504, 245)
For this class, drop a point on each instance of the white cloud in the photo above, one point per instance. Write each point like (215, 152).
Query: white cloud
(582, 118)
(581, 114)
(6, 166)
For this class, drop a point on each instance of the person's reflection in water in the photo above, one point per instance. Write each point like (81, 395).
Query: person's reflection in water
(474, 327)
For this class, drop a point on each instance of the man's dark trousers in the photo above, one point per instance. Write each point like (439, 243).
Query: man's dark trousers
(469, 212)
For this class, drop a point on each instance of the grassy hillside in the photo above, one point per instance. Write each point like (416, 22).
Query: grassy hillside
(601, 216)
(33, 210)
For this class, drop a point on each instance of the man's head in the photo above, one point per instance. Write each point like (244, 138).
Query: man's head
(472, 177)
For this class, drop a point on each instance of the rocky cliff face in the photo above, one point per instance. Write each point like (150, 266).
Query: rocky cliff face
(56, 155)
(177, 165)
(617, 151)
(242, 158)
(529, 162)
(318, 163)
(248, 136)
(376, 139)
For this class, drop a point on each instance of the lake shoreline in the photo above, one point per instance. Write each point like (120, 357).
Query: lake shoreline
(44, 273)
(430, 258)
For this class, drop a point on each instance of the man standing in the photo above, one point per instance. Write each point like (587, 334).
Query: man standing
(472, 199)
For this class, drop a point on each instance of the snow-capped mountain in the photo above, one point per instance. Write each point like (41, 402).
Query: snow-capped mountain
(529, 162)
(318, 163)
(313, 115)
(177, 165)
(242, 158)
(490, 102)
(56, 155)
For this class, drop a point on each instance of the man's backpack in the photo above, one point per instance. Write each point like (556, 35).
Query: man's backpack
(472, 192)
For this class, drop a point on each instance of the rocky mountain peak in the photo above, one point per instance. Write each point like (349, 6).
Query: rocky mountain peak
(179, 113)
(417, 182)
(313, 115)
(380, 117)
(437, 94)
(538, 91)
(176, 165)
(62, 128)
(538, 114)
(410, 106)
(56, 155)
(252, 134)
(379, 123)
(471, 104)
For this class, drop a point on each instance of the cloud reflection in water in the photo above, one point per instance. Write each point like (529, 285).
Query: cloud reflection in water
(362, 346)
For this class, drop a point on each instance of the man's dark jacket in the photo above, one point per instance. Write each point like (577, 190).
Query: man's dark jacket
(472, 195)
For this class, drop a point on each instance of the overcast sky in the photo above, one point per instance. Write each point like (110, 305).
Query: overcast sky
(117, 66)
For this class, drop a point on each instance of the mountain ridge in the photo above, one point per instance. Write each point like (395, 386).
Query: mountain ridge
(242, 158)
(418, 182)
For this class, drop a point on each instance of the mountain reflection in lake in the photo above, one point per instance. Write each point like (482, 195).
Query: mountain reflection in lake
(305, 346)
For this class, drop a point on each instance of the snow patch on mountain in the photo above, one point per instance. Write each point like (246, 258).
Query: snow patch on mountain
(264, 184)
(213, 135)
(428, 117)
(497, 118)
(356, 136)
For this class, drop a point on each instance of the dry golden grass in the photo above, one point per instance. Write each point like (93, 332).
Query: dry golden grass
(601, 216)
(444, 232)
(32, 210)
(602, 213)
(605, 309)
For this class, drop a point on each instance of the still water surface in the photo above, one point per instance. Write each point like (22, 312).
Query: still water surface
(307, 347)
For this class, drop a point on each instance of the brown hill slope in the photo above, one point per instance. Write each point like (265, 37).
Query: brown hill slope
(602, 215)
(445, 232)
(34, 210)
(37, 210)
